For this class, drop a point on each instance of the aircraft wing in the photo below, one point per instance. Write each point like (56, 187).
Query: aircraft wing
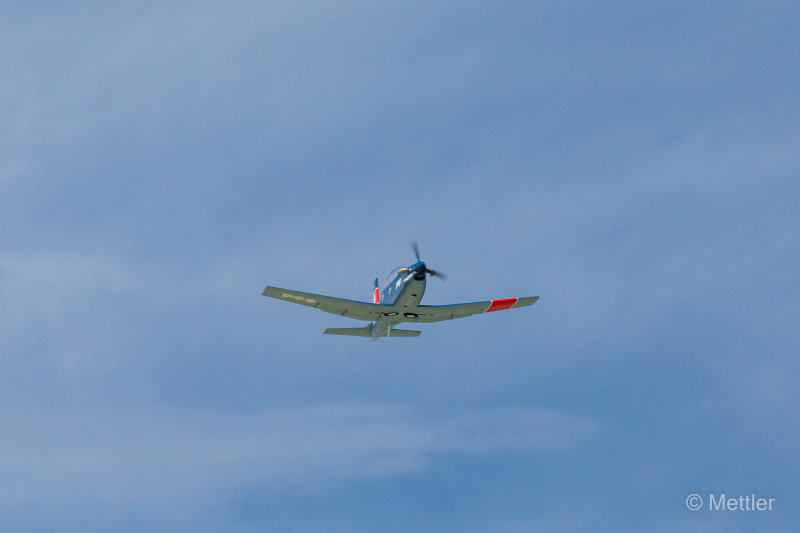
(337, 306)
(436, 313)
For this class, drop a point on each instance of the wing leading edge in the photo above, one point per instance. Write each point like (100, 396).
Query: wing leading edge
(374, 312)
(437, 313)
(337, 306)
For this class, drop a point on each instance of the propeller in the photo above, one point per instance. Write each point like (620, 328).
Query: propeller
(423, 267)
(439, 274)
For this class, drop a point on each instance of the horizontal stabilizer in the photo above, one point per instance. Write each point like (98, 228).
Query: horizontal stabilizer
(355, 332)
(367, 332)
(402, 333)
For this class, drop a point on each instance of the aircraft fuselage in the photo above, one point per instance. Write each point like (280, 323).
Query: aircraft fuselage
(405, 290)
(403, 294)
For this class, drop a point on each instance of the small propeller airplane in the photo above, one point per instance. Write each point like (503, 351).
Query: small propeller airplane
(397, 303)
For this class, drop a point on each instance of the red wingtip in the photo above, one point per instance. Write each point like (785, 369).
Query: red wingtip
(500, 305)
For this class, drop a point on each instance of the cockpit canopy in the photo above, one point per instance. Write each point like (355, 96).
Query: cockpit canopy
(392, 275)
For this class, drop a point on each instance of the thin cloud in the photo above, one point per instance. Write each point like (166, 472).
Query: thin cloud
(158, 456)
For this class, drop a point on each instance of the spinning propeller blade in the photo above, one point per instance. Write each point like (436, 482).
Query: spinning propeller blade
(433, 273)
(438, 274)
(416, 250)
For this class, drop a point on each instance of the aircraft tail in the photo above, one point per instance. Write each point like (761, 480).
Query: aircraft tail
(367, 332)
(376, 292)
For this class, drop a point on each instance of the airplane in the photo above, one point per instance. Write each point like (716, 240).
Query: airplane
(398, 302)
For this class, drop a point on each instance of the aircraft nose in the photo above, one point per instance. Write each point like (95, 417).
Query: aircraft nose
(419, 273)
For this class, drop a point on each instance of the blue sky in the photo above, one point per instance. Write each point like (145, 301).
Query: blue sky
(634, 165)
